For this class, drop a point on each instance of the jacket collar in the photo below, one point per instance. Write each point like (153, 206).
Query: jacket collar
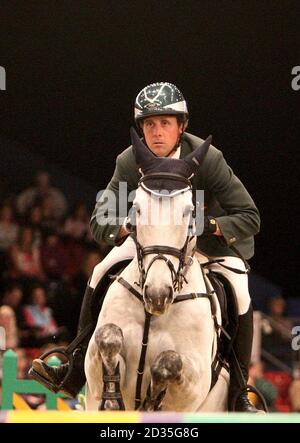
(188, 143)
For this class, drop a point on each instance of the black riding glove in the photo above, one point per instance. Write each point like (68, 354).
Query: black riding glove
(210, 226)
(130, 224)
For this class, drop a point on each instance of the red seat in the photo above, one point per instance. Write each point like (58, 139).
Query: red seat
(33, 353)
(282, 380)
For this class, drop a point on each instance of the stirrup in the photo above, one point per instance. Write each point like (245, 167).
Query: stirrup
(46, 382)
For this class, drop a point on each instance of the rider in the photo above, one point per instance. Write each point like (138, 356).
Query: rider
(231, 219)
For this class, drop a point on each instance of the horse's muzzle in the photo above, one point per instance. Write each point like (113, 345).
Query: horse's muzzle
(157, 300)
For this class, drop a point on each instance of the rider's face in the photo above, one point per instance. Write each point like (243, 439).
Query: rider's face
(162, 133)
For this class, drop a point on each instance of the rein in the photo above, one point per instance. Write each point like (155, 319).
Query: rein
(177, 275)
(178, 298)
(160, 252)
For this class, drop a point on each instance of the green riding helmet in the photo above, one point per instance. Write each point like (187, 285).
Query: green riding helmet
(160, 98)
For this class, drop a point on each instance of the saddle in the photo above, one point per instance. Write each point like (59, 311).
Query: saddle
(104, 284)
(225, 294)
(228, 305)
(229, 316)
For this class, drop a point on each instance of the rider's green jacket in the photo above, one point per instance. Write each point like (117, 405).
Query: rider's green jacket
(225, 198)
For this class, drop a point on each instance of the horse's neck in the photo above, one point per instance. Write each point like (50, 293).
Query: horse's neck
(194, 278)
(131, 273)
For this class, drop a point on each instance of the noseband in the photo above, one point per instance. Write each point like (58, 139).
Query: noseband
(160, 251)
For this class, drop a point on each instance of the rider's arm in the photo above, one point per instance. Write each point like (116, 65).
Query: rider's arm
(106, 221)
(242, 218)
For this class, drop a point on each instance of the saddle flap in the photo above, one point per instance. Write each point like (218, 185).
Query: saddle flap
(229, 311)
(221, 295)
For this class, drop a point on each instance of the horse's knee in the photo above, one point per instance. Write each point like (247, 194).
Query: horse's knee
(109, 339)
(167, 367)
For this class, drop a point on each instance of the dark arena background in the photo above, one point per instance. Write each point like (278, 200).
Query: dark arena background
(69, 75)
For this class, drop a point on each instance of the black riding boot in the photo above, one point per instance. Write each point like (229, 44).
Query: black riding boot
(69, 377)
(238, 400)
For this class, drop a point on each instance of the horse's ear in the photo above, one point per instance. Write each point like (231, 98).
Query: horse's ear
(144, 157)
(196, 158)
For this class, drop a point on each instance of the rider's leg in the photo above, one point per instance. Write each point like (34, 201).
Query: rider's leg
(52, 376)
(242, 345)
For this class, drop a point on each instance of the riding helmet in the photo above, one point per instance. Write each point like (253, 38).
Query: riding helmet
(160, 98)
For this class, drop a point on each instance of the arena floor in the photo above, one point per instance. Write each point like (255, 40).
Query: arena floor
(137, 417)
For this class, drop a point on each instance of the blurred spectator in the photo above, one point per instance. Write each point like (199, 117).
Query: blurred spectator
(294, 388)
(23, 363)
(8, 235)
(49, 219)
(25, 257)
(76, 252)
(13, 297)
(8, 227)
(36, 195)
(80, 279)
(53, 256)
(9, 323)
(77, 225)
(11, 315)
(268, 390)
(78, 285)
(277, 307)
(39, 321)
(276, 332)
(294, 395)
(34, 220)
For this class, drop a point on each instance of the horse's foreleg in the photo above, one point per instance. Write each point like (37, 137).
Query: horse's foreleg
(166, 369)
(109, 339)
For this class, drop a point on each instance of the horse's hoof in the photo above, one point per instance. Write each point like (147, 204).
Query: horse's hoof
(110, 405)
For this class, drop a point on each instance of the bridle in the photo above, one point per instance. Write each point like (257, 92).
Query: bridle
(178, 277)
(160, 251)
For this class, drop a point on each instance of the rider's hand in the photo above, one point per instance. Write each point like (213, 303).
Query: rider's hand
(123, 233)
(211, 227)
(128, 225)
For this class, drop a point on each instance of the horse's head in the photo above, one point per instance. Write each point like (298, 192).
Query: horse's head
(163, 209)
